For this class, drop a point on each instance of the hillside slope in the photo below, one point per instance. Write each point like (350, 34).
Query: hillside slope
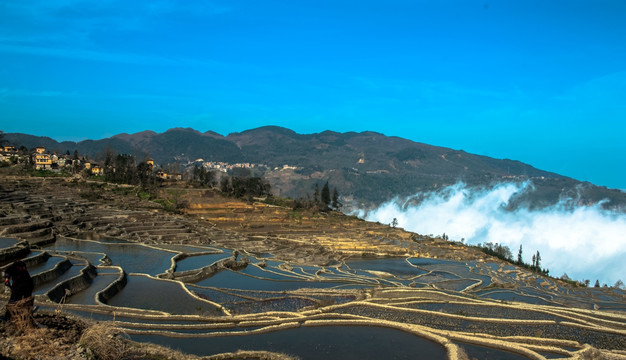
(368, 167)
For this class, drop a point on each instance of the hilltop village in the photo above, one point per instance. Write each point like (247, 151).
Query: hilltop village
(42, 159)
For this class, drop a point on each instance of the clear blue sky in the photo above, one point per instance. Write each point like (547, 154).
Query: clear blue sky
(543, 82)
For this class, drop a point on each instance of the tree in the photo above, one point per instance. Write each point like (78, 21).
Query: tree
(202, 176)
(316, 194)
(519, 255)
(225, 184)
(587, 282)
(597, 284)
(534, 257)
(326, 195)
(538, 260)
(619, 284)
(497, 250)
(145, 174)
(394, 223)
(336, 204)
(1, 137)
(249, 187)
(109, 168)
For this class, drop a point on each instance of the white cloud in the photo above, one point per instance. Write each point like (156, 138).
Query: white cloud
(586, 242)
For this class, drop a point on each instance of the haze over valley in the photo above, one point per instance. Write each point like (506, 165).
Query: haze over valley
(582, 242)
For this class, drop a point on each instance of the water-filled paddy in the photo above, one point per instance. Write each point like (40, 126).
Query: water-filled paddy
(7, 242)
(199, 261)
(268, 273)
(94, 258)
(486, 353)
(429, 262)
(512, 296)
(45, 265)
(87, 296)
(327, 342)
(187, 248)
(236, 280)
(435, 276)
(285, 304)
(486, 311)
(396, 266)
(143, 292)
(70, 273)
(133, 258)
(456, 285)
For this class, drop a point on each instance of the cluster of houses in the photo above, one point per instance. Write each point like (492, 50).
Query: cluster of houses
(163, 175)
(223, 166)
(43, 160)
(8, 153)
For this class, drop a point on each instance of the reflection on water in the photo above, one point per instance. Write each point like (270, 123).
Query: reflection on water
(329, 342)
(199, 261)
(7, 242)
(280, 280)
(268, 285)
(485, 353)
(44, 266)
(187, 248)
(70, 273)
(232, 279)
(143, 292)
(133, 258)
(397, 266)
(87, 296)
(512, 296)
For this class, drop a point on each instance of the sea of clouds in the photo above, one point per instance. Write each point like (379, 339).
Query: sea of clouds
(586, 242)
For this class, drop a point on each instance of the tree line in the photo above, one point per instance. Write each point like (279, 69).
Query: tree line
(123, 169)
(503, 252)
(323, 201)
(245, 187)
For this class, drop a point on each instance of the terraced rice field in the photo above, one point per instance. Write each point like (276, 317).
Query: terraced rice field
(186, 283)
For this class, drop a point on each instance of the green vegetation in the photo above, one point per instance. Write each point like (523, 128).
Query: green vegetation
(503, 252)
(325, 195)
(202, 177)
(245, 187)
(319, 202)
(370, 166)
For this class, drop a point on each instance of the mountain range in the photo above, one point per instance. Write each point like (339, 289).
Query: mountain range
(367, 168)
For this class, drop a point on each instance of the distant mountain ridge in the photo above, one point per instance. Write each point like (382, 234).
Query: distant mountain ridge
(367, 167)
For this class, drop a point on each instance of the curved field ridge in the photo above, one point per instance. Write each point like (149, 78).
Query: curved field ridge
(209, 284)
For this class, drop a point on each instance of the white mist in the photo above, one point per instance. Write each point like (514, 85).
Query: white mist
(586, 242)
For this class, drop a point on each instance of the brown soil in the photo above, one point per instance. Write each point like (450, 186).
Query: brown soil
(58, 336)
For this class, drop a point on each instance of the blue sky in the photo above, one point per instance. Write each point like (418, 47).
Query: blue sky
(543, 82)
